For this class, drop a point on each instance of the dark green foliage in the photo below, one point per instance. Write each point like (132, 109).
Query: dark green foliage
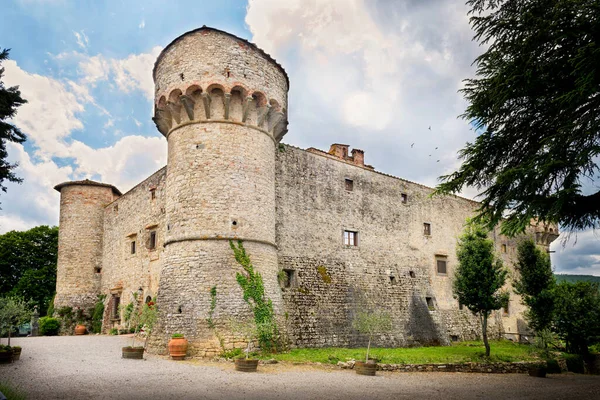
(574, 363)
(49, 326)
(552, 367)
(254, 294)
(50, 310)
(14, 311)
(213, 305)
(577, 315)
(28, 264)
(576, 278)
(177, 336)
(535, 284)
(534, 104)
(479, 276)
(10, 100)
(98, 314)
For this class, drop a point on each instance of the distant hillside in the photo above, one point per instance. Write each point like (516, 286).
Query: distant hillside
(576, 278)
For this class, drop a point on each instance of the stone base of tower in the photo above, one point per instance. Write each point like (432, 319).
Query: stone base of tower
(191, 269)
(85, 302)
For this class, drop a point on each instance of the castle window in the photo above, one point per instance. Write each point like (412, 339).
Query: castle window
(152, 194)
(411, 274)
(350, 238)
(404, 198)
(392, 279)
(430, 303)
(288, 278)
(98, 270)
(148, 299)
(114, 310)
(503, 247)
(133, 247)
(506, 310)
(441, 265)
(426, 229)
(152, 241)
(349, 185)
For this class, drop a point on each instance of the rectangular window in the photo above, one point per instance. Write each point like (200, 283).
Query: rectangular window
(505, 310)
(349, 185)
(430, 303)
(404, 197)
(133, 247)
(441, 264)
(152, 242)
(350, 238)
(114, 310)
(289, 278)
(503, 247)
(460, 306)
(152, 194)
(427, 229)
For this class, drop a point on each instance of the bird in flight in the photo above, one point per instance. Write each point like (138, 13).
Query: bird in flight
(430, 127)
(412, 145)
(438, 161)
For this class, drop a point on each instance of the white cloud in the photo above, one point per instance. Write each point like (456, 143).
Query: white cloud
(142, 24)
(82, 39)
(48, 119)
(135, 72)
(94, 69)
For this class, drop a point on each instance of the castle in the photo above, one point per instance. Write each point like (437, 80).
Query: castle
(329, 234)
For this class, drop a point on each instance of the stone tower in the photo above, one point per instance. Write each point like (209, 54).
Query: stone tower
(78, 269)
(221, 104)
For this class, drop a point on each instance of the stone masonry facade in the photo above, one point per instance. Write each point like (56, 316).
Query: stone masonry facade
(330, 235)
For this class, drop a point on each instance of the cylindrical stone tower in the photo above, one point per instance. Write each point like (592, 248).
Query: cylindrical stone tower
(80, 236)
(221, 103)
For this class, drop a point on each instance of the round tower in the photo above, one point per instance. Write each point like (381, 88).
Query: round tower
(221, 104)
(78, 269)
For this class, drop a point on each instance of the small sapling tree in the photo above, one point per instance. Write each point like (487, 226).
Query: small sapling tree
(479, 276)
(371, 323)
(14, 311)
(247, 329)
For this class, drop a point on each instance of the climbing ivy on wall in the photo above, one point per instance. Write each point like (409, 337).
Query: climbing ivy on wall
(253, 288)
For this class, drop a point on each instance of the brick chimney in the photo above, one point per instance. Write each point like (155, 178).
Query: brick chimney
(358, 157)
(339, 150)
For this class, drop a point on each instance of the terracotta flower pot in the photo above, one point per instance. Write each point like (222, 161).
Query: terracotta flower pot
(363, 368)
(16, 354)
(80, 329)
(136, 353)
(243, 365)
(178, 348)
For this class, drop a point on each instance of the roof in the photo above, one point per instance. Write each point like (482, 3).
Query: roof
(87, 182)
(206, 28)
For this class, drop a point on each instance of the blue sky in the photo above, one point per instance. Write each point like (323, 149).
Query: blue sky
(85, 68)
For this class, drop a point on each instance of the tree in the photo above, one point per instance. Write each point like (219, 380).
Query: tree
(28, 264)
(535, 103)
(479, 276)
(535, 284)
(14, 311)
(577, 315)
(10, 100)
(370, 323)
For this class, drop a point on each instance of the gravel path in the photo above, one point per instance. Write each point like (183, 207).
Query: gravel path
(91, 367)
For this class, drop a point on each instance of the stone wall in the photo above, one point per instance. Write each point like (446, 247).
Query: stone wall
(131, 219)
(393, 268)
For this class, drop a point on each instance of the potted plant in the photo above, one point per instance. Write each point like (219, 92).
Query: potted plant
(248, 331)
(370, 323)
(6, 354)
(80, 328)
(143, 321)
(14, 311)
(16, 353)
(178, 346)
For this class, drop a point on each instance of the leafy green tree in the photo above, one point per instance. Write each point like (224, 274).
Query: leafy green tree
(535, 284)
(534, 103)
(479, 276)
(577, 315)
(371, 322)
(10, 100)
(14, 311)
(28, 264)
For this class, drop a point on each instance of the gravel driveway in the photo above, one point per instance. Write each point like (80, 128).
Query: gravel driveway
(91, 367)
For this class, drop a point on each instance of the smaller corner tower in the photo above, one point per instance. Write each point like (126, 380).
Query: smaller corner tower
(80, 240)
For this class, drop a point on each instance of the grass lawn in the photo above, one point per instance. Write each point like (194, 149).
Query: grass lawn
(501, 351)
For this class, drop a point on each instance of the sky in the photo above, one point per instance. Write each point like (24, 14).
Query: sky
(85, 66)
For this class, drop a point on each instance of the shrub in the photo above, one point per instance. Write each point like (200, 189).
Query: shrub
(575, 363)
(113, 331)
(49, 326)
(177, 336)
(98, 314)
(552, 367)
